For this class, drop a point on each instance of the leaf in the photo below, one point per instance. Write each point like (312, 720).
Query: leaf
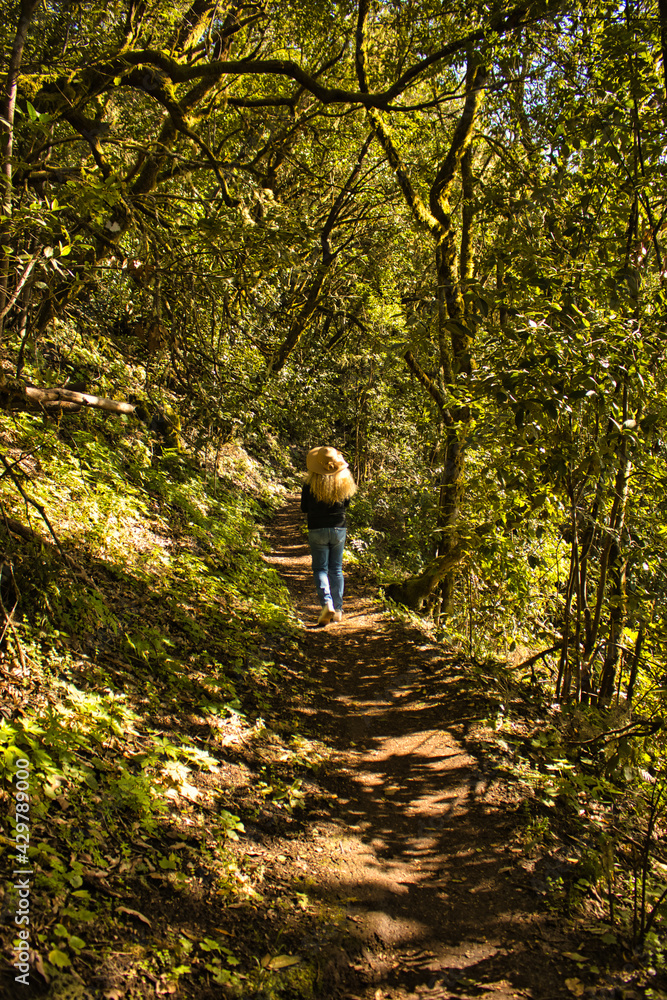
(209, 944)
(574, 956)
(454, 326)
(575, 986)
(134, 913)
(59, 958)
(283, 961)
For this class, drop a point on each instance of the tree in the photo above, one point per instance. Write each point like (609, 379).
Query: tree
(238, 187)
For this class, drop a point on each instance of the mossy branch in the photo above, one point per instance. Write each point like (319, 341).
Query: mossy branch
(17, 396)
(413, 592)
(38, 506)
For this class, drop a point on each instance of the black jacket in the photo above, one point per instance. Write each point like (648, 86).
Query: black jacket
(323, 515)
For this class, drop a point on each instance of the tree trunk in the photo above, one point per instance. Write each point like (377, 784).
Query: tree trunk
(634, 666)
(452, 267)
(662, 7)
(413, 592)
(617, 579)
(7, 110)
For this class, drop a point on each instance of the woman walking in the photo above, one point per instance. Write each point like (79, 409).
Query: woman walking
(325, 498)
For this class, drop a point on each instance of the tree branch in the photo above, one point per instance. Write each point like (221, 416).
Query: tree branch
(16, 392)
(432, 389)
(444, 179)
(34, 503)
(17, 291)
(178, 72)
(538, 656)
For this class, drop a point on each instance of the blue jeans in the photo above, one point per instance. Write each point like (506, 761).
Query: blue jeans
(326, 548)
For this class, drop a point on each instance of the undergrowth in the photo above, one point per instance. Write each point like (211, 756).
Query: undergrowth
(591, 798)
(592, 787)
(146, 641)
(143, 633)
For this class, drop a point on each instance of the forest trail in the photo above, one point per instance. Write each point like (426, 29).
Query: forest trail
(422, 851)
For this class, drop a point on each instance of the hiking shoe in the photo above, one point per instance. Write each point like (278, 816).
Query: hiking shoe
(326, 614)
(337, 616)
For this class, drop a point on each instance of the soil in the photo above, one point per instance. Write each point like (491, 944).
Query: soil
(389, 862)
(421, 852)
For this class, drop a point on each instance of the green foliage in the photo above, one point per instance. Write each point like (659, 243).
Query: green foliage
(154, 605)
(599, 783)
(226, 249)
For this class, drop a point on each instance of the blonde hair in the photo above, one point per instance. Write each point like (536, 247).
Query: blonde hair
(332, 489)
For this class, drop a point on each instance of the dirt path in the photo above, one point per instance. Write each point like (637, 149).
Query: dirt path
(422, 853)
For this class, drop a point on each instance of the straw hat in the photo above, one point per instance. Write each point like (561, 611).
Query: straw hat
(325, 461)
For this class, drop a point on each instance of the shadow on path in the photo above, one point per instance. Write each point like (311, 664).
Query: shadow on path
(421, 854)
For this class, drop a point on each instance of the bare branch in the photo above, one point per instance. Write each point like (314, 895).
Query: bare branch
(17, 393)
(17, 291)
(213, 72)
(432, 389)
(34, 503)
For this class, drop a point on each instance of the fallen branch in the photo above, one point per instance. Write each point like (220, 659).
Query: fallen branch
(27, 533)
(538, 656)
(34, 503)
(15, 395)
(46, 396)
(632, 729)
(17, 528)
